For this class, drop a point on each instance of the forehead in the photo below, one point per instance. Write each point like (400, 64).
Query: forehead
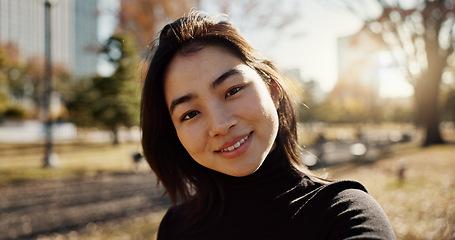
(198, 67)
(204, 57)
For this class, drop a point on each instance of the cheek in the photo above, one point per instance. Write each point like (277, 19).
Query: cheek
(269, 114)
(260, 107)
(191, 138)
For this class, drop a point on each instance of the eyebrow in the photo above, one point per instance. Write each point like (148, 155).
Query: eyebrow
(180, 100)
(224, 76)
(218, 81)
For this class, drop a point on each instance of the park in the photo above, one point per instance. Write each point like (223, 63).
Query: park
(98, 191)
(373, 83)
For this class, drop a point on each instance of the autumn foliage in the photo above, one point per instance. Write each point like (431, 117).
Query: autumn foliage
(143, 18)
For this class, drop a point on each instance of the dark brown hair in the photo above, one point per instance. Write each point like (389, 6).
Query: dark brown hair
(182, 177)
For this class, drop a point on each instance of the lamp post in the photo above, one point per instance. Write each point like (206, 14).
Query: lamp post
(50, 158)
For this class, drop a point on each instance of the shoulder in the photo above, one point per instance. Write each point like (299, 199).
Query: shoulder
(355, 213)
(170, 223)
(323, 193)
(344, 210)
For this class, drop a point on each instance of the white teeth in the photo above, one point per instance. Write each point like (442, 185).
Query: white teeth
(236, 145)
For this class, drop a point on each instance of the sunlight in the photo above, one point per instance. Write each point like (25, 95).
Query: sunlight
(392, 84)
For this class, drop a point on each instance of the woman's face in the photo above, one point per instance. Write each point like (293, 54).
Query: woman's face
(222, 110)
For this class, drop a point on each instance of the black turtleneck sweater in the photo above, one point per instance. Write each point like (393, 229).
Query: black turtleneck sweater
(276, 202)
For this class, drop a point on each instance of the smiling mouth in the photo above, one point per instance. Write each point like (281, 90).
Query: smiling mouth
(236, 145)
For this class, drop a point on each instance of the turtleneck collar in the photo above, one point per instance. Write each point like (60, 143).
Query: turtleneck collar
(274, 177)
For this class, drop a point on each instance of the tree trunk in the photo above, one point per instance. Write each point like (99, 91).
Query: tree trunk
(427, 92)
(115, 140)
(429, 117)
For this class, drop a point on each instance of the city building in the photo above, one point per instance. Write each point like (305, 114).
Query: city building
(73, 30)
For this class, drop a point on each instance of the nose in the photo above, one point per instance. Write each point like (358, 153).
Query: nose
(221, 120)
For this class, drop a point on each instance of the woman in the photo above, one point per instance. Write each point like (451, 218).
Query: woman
(219, 131)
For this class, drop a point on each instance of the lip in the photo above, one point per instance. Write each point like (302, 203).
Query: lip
(238, 150)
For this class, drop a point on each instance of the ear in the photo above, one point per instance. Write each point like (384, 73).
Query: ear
(275, 92)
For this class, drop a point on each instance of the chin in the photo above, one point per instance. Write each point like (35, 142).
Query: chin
(239, 174)
(244, 172)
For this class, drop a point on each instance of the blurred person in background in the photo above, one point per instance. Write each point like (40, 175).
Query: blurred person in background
(219, 131)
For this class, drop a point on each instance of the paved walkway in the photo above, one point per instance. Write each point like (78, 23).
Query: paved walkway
(29, 210)
(333, 153)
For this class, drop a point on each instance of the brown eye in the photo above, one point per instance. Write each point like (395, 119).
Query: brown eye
(233, 91)
(189, 115)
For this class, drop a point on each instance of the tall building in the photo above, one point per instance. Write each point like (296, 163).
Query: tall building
(85, 37)
(357, 68)
(73, 29)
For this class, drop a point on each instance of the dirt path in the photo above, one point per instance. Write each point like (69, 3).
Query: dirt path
(29, 210)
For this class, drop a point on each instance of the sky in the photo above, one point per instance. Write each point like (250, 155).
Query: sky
(106, 24)
(308, 44)
(314, 53)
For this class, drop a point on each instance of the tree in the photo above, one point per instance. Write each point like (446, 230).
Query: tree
(3, 81)
(142, 18)
(110, 102)
(117, 96)
(21, 82)
(12, 84)
(449, 106)
(305, 110)
(79, 101)
(421, 36)
(266, 22)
